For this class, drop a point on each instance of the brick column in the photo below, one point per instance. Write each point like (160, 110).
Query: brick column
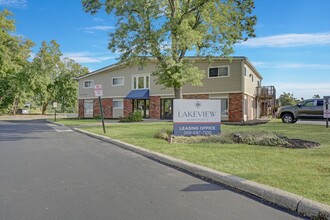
(106, 105)
(154, 107)
(235, 111)
(81, 112)
(127, 107)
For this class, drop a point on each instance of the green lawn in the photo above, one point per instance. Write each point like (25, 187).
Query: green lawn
(301, 171)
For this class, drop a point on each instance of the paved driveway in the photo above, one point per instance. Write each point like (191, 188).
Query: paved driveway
(51, 172)
(312, 122)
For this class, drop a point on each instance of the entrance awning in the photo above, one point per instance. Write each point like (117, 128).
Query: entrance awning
(138, 94)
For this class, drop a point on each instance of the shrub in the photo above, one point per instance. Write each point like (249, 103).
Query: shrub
(262, 138)
(221, 139)
(249, 138)
(163, 134)
(132, 117)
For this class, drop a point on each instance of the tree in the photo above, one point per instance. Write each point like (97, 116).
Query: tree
(66, 85)
(316, 97)
(53, 78)
(170, 29)
(45, 69)
(14, 52)
(287, 99)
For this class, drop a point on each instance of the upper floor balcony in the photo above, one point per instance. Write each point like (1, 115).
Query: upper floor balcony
(266, 92)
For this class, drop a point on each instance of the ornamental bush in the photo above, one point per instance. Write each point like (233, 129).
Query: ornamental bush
(132, 117)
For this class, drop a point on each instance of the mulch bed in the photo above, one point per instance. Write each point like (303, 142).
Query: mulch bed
(298, 143)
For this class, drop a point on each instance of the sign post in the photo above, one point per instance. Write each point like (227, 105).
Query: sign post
(98, 92)
(196, 117)
(55, 106)
(326, 109)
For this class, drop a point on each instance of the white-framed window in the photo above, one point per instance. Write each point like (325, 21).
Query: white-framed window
(245, 72)
(88, 107)
(219, 71)
(224, 106)
(141, 82)
(89, 84)
(118, 103)
(118, 81)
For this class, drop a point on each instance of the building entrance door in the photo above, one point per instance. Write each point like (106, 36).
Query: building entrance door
(142, 105)
(167, 108)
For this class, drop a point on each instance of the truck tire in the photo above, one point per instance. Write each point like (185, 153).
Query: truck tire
(288, 118)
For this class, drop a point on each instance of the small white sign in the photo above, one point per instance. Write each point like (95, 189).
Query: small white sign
(326, 106)
(98, 90)
(54, 104)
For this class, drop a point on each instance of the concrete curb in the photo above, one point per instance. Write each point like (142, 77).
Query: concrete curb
(276, 196)
(55, 123)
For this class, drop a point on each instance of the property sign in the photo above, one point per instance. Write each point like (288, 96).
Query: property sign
(98, 90)
(326, 106)
(192, 117)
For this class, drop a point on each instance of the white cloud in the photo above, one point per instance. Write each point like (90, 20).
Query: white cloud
(305, 90)
(87, 57)
(92, 29)
(293, 65)
(289, 40)
(14, 3)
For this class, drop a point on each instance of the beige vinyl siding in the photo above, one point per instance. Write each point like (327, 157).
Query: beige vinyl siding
(249, 85)
(85, 92)
(230, 83)
(105, 79)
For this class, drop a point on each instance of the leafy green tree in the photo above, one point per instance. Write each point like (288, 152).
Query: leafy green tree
(316, 97)
(54, 78)
(287, 99)
(45, 69)
(66, 85)
(14, 54)
(170, 29)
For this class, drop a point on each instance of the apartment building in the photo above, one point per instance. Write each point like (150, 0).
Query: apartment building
(128, 88)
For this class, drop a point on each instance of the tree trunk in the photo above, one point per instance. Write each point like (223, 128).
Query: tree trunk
(44, 108)
(14, 107)
(178, 93)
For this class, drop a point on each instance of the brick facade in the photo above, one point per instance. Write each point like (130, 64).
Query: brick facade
(106, 105)
(81, 112)
(236, 105)
(196, 96)
(154, 107)
(127, 107)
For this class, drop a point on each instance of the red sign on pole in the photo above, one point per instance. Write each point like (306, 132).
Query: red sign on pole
(98, 90)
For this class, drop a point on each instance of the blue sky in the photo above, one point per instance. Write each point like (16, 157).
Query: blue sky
(291, 50)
